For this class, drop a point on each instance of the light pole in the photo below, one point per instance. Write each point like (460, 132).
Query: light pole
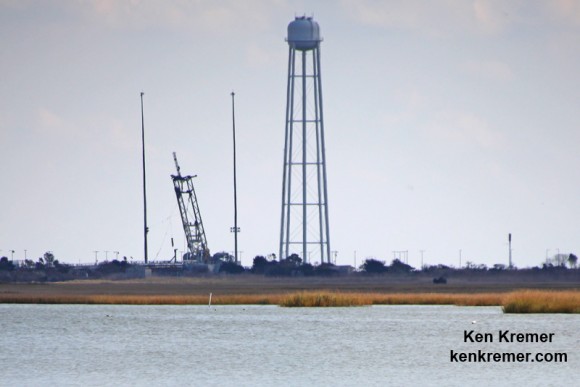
(145, 228)
(96, 257)
(421, 251)
(236, 229)
(334, 254)
(510, 250)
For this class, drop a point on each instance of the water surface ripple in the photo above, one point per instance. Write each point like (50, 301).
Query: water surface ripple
(98, 345)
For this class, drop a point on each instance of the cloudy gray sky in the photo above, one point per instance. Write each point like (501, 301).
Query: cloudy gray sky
(449, 124)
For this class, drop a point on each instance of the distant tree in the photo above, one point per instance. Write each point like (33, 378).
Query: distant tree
(572, 261)
(6, 265)
(558, 260)
(325, 269)
(436, 268)
(62, 268)
(260, 264)
(397, 266)
(307, 269)
(29, 263)
(474, 266)
(39, 265)
(293, 260)
(373, 266)
(114, 266)
(231, 268)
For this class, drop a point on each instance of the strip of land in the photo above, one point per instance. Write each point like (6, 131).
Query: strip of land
(260, 285)
(523, 296)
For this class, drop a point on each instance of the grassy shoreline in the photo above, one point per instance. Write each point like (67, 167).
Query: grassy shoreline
(513, 297)
(519, 301)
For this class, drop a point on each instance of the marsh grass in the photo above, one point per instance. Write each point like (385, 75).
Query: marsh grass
(537, 301)
(325, 299)
(521, 301)
(317, 299)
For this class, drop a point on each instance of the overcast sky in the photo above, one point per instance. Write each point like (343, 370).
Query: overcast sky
(449, 124)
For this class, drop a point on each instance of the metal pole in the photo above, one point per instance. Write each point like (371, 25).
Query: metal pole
(318, 158)
(290, 158)
(235, 184)
(510, 249)
(318, 78)
(304, 161)
(288, 130)
(145, 229)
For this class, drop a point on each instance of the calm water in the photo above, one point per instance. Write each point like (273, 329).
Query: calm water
(42, 345)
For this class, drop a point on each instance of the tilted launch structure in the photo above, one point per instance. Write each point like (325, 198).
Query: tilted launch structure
(304, 228)
(197, 249)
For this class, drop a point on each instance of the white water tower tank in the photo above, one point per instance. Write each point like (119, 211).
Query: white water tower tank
(303, 33)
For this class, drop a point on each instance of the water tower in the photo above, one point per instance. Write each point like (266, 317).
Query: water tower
(304, 221)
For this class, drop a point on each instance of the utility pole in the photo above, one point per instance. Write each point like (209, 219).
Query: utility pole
(235, 229)
(334, 254)
(146, 229)
(421, 251)
(460, 258)
(510, 249)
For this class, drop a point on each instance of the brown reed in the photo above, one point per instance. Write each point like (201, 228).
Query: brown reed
(325, 299)
(314, 299)
(536, 301)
